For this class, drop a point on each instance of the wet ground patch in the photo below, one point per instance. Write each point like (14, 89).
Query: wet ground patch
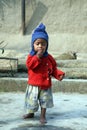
(3, 123)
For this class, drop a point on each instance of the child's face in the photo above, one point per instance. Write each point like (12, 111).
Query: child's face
(40, 45)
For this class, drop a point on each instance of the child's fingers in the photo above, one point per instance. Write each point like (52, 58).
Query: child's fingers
(61, 77)
(40, 53)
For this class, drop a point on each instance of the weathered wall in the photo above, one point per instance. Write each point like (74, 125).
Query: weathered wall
(61, 16)
(10, 16)
(66, 22)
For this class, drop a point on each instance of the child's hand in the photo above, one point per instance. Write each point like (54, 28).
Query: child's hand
(39, 53)
(61, 77)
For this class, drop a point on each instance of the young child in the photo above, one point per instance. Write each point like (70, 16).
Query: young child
(41, 67)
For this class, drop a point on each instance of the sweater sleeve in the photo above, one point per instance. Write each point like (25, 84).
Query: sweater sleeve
(32, 62)
(56, 73)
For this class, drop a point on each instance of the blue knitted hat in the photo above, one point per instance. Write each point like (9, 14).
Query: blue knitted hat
(39, 32)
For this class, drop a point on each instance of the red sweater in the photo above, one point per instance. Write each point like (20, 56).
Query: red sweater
(40, 71)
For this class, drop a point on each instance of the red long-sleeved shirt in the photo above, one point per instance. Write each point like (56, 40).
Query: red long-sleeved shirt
(40, 71)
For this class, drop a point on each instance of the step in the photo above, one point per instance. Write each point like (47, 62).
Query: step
(82, 56)
(60, 63)
(8, 64)
(72, 63)
(69, 55)
(75, 73)
(66, 85)
(70, 86)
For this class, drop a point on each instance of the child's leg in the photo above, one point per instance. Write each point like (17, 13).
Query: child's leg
(31, 101)
(43, 116)
(46, 101)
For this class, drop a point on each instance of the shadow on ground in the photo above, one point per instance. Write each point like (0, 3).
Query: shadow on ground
(41, 127)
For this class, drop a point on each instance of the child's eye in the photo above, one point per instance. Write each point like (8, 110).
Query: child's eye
(42, 43)
(37, 43)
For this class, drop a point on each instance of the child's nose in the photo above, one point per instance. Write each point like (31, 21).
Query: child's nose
(40, 45)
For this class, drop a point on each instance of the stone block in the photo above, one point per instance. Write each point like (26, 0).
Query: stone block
(8, 64)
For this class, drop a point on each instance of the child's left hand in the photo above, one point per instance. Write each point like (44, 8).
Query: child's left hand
(61, 77)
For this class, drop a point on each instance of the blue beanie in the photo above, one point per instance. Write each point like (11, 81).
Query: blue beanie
(39, 32)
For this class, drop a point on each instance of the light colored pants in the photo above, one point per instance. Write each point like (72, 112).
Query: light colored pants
(35, 97)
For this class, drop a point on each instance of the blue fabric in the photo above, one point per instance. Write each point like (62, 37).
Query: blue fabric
(39, 32)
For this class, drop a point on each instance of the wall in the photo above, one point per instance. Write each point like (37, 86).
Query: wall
(10, 16)
(60, 16)
(66, 22)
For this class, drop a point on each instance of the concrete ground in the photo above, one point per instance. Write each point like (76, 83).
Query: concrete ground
(69, 112)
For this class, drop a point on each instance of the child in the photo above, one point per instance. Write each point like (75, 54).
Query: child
(41, 67)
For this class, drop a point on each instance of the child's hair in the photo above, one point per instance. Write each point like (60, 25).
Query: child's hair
(39, 32)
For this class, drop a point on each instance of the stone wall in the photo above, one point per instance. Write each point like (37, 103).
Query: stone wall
(60, 16)
(66, 22)
(10, 16)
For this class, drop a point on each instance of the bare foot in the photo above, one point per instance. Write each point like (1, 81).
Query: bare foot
(43, 121)
(30, 115)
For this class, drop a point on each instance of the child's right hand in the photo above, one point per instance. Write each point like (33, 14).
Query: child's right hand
(39, 53)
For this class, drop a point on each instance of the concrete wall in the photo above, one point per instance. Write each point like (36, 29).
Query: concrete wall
(60, 16)
(10, 16)
(66, 22)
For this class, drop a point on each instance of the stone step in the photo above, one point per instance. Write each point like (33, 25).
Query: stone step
(75, 73)
(69, 63)
(70, 86)
(72, 68)
(72, 63)
(69, 55)
(66, 85)
(81, 56)
(70, 73)
(8, 64)
(60, 63)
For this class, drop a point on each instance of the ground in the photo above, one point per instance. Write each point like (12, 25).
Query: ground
(69, 113)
